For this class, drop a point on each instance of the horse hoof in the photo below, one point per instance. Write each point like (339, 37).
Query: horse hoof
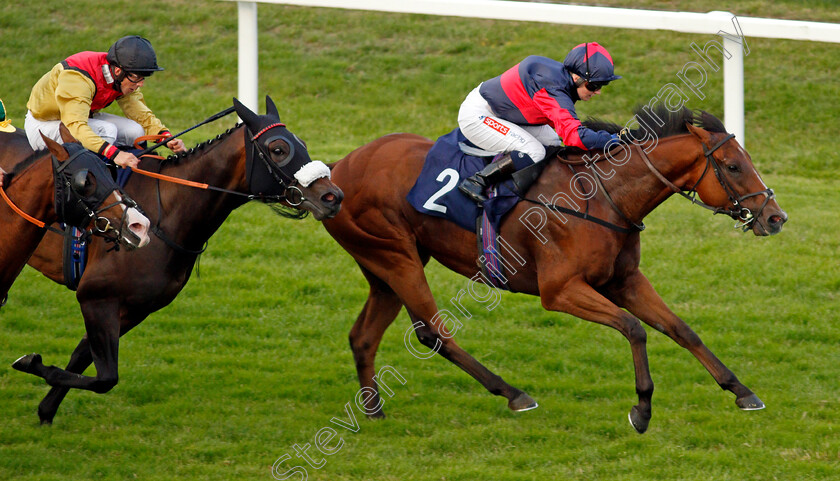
(45, 417)
(522, 402)
(750, 403)
(377, 415)
(638, 420)
(25, 363)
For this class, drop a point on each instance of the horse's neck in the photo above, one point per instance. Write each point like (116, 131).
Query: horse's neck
(33, 191)
(216, 163)
(189, 212)
(18, 236)
(637, 189)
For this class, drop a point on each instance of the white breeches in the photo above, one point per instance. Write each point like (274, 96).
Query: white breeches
(483, 128)
(114, 129)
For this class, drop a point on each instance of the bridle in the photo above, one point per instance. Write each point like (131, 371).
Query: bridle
(76, 209)
(292, 194)
(745, 216)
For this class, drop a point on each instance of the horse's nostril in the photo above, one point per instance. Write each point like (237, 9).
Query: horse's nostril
(138, 228)
(328, 198)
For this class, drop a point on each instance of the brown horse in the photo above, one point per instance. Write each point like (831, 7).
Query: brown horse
(74, 188)
(575, 266)
(259, 159)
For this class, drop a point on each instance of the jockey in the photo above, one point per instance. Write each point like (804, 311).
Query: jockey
(77, 88)
(530, 106)
(5, 123)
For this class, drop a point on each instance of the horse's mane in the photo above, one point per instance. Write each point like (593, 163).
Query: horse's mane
(23, 164)
(662, 122)
(176, 159)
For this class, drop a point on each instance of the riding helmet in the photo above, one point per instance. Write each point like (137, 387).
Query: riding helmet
(134, 54)
(591, 62)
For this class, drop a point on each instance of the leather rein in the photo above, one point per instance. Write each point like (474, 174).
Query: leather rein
(743, 215)
(295, 199)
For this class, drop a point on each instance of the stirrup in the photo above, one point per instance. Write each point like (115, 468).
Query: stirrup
(473, 190)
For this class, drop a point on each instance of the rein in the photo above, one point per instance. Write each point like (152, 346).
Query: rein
(161, 140)
(585, 216)
(20, 212)
(744, 215)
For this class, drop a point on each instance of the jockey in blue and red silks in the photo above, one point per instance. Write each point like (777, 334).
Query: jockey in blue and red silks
(531, 106)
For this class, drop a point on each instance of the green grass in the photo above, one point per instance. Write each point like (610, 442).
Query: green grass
(252, 357)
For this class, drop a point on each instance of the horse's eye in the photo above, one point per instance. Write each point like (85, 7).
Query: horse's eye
(280, 151)
(733, 168)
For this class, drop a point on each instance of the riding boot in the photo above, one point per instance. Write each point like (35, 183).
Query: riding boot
(493, 173)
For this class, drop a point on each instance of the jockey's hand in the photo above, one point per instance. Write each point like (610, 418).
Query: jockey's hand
(625, 136)
(126, 159)
(2, 172)
(176, 145)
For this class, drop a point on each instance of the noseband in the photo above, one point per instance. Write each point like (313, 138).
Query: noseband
(740, 213)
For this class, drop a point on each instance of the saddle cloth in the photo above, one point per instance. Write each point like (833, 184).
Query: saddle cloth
(436, 190)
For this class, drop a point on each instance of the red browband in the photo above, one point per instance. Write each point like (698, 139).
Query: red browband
(278, 124)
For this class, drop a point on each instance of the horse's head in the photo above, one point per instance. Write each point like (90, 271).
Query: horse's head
(278, 166)
(87, 197)
(736, 188)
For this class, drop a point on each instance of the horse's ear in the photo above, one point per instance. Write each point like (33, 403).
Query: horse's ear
(270, 108)
(247, 116)
(55, 148)
(701, 134)
(66, 136)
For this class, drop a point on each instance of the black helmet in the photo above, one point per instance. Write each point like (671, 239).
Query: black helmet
(134, 54)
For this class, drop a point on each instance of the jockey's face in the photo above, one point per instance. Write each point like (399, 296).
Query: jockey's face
(583, 91)
(130, 82)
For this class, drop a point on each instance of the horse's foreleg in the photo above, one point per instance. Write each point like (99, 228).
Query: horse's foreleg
(79, 361)
(379, 312)
(581, 300)
(638, 295)
(103, 334)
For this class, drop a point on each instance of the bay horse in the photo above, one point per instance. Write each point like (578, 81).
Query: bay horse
(63, 183)
(258, 159)
(575, 266)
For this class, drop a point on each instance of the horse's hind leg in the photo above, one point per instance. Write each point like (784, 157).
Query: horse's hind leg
(79, 361)
(639, 297)
(415, 294)
(380, 310)
(401, 267)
